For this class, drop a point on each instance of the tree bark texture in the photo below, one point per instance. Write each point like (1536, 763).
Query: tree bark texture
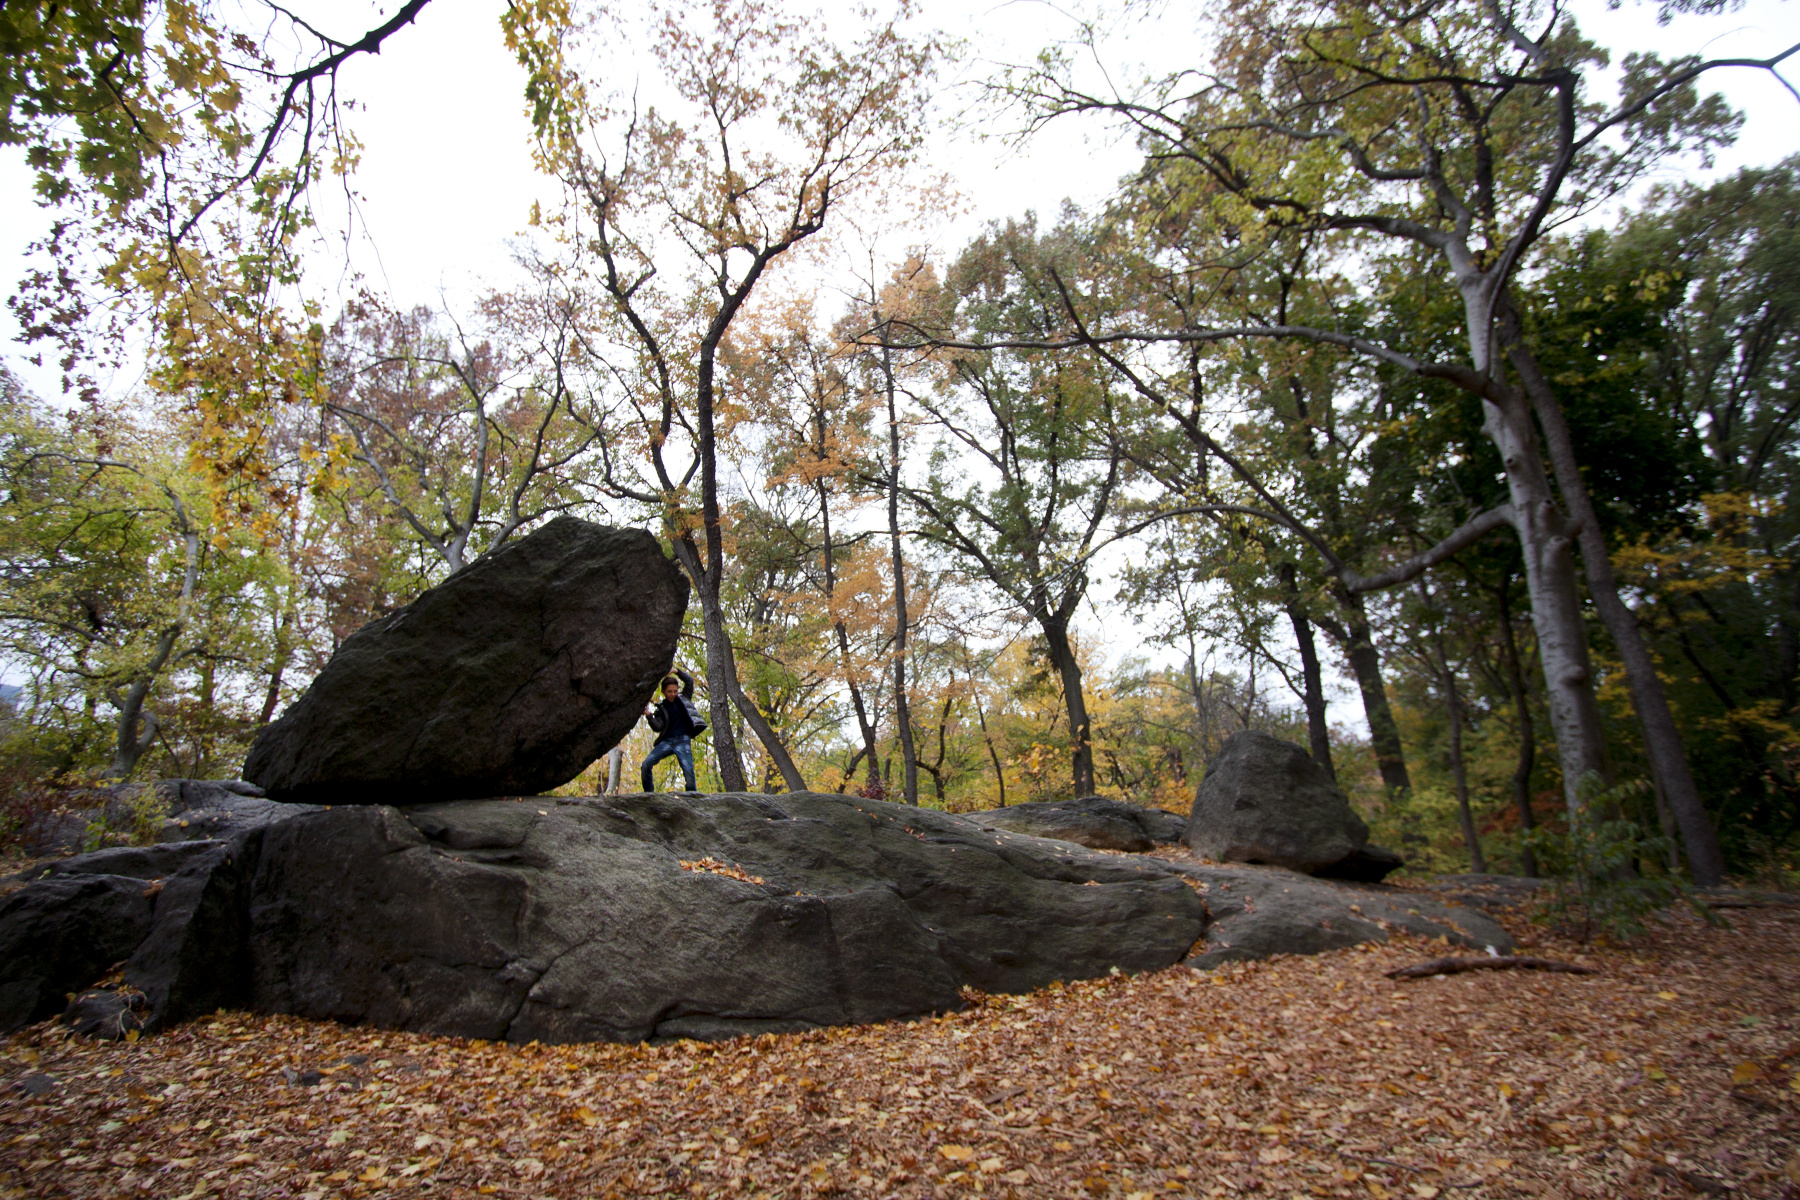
(1662, 741)
(1068, 670)
(1318, 733)
(1546, 540)
(1515, 682)
(1357, 640)
(902, 710)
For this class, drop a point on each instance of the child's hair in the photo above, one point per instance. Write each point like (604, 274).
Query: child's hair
(671, 679)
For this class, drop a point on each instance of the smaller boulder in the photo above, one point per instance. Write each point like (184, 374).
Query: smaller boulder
(1092, 821)
(1264, 800)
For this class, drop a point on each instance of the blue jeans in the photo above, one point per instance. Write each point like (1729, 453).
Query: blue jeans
(683, 750)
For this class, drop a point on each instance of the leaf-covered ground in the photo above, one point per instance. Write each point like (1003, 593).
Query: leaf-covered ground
(1671, 1072)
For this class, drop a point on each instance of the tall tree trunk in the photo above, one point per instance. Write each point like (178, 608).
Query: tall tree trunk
(771, 741)
(902, 710)
(1546, 539)
(721, 681)
(1062, 657)
(721, 668)
(1357, 640)
(1318, 733)
(284, 652)
(1458, 769)
(1662, 741)
(1515, 682)
(863, 724)
(129, 745)
(993, 755)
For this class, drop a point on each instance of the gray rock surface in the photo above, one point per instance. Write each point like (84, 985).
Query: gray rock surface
(1092, 821)
(575, 920)
(234, 815)
(1264, 800)
(128, 810)
(508, 678)
(1254, 912)
(61, 934)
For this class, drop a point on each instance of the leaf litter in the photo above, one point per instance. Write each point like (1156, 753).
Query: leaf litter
(1673, 1071)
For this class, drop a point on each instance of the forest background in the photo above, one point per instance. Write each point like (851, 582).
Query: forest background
(981, 506)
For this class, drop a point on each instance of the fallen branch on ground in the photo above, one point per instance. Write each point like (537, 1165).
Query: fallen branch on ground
(1455, 966)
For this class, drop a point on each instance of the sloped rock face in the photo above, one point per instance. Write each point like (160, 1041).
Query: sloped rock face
(127, 808)
(1092, 821)
(507, 679)
(1255, 912)
(59, 935)
(1264, 800)
(566, 920)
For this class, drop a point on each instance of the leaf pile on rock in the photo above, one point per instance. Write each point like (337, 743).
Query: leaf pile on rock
(1675, 1068)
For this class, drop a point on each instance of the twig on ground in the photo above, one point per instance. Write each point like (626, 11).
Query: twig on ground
(1699, 1183)
(1455, 966)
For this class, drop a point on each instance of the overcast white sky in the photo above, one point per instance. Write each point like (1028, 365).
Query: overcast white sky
(447, 179)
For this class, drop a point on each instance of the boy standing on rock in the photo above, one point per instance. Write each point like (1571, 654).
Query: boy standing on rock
(677, 722)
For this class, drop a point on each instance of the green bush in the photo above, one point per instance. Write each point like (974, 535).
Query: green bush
(1604, 873)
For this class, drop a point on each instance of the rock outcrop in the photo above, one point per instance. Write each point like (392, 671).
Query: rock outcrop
(638, 917)
(131, 811)
(1264, 800)
(509, 678)
(1255, 912)
(1092, 821)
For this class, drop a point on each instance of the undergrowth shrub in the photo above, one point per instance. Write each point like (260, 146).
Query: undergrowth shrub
(1604, 871)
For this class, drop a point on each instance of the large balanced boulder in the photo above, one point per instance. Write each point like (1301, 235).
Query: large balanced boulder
(1093, 821)
(637, 917)
(509, 678)
(1264, 800)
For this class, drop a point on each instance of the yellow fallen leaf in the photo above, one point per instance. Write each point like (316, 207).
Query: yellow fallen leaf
(1794, 1083)
(1376, 1190)
(1017, 1177)
(1269, 1129)
(1506, 1091)
(1424, 1191)
(1654, 1073)
(587, 1117)
(1667, 996)
(338, 1177)
(372, 1174)
(1065, 1147)
(131, 1035)
(487, 1189)
(1745, 1072)
(991, 1165)
(956, 1153)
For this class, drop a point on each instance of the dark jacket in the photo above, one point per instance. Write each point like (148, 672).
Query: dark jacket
(659, 721)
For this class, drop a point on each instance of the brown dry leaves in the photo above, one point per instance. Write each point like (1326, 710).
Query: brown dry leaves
(713, 866)
(1673, 1069)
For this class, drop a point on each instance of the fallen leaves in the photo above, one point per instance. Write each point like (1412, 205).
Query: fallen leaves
(1311, 1076)
(713, 866)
